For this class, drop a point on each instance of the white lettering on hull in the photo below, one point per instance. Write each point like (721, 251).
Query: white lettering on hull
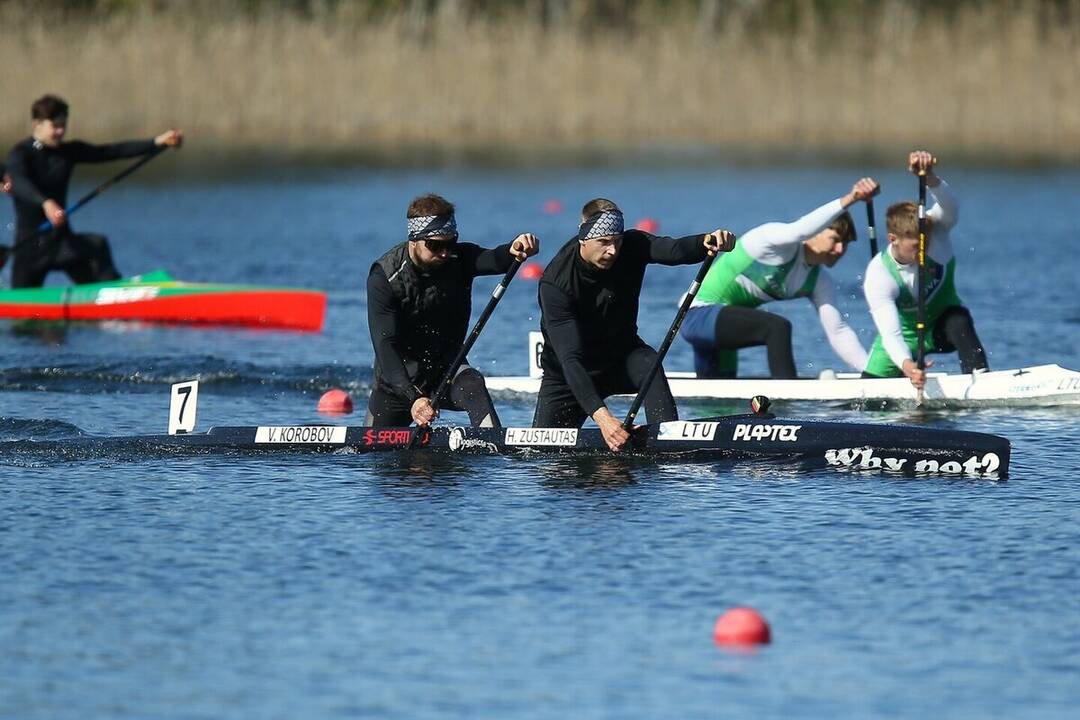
(761, 431)
(866, 459)
(684, 430)
(550, 437)
(459, 440)
(115, 296)
(301, 435)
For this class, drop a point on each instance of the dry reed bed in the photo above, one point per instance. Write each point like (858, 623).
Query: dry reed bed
(996, 81)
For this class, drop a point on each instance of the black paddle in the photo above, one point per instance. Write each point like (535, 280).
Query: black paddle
(871, 227)
(451, 370)
(920, 319)
(46, 226)
(628, 423)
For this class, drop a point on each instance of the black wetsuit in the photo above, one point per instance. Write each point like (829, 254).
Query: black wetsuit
(589, 320)
(418, 322)
(39, 173)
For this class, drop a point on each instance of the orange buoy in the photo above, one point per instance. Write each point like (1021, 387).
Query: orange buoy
(648, 225)
(335, 402)
(532, 271)
(553, 207)
(741, 626)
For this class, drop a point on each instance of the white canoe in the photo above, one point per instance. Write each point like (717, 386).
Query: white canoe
(1038, 385)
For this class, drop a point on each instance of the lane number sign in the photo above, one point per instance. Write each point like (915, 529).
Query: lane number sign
(185, 396)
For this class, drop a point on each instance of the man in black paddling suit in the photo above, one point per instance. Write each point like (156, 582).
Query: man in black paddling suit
(588, 314)
(40, 168)
(419, 297)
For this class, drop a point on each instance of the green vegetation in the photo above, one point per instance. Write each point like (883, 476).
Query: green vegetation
(392, 77)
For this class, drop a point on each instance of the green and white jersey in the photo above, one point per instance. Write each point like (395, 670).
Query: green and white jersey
(769, 263)
(892, 294)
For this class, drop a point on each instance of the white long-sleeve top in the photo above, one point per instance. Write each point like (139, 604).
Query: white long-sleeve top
(777, 244)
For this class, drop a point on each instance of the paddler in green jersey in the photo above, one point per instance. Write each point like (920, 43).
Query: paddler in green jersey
(892, 293)
(775, 261)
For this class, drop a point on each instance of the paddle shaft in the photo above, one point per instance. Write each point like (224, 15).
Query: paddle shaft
(628, 423)
(871, 227)
(444, 386)
(6, 251)
(45, 226)
(920, 319)
(451, 371)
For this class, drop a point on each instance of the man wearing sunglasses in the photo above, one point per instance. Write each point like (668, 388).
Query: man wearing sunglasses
(419, 297)
(588, 313)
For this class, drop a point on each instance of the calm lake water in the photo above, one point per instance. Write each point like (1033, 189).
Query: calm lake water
(173, 586)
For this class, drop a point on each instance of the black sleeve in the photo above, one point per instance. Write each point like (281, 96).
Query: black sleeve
(565, 337)
(84, 152)
(383, 311)
(677, 251)
(21, 187)
(482, 261)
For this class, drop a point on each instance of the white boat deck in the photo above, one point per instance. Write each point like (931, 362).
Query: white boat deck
(1037, 385)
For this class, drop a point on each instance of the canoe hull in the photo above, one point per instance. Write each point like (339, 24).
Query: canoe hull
(896, 449)
(1038, 385)
(157, 298)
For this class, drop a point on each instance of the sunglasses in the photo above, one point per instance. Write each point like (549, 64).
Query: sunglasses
(439, 246)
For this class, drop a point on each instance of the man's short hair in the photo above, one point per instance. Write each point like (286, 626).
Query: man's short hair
(430, 204)
(844, 227)
(902, 219)
(48, 107)
(597, 205)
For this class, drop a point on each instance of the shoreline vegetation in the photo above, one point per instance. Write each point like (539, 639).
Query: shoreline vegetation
(413, 81)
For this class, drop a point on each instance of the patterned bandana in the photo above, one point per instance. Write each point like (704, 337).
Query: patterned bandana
(433, 226)
(602, 224)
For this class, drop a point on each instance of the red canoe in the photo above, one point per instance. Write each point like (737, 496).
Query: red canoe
(157, 297)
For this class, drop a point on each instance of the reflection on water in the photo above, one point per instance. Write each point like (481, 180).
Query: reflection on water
(407, 469)
(47, 332)
(592, 472)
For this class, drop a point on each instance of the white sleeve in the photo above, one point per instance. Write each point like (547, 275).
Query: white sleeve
(845, 343)
(881, 292)
(945, 211)
(943, 216)
(776, 243)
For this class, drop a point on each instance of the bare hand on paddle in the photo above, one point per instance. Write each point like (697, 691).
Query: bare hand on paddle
(170, 138)
(913, 373)
(863, 189)
(614, 433)
(423, 412)
(5, 184)
(54, 213)
(719, 241)
(524, 246)
(922, 162)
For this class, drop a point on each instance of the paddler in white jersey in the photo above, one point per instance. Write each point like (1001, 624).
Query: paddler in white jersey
(892, 293)
(775, 261)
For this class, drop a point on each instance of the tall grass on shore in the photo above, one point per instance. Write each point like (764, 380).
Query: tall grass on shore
(985, 79)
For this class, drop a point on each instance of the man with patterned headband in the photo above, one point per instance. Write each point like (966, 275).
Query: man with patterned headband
(588, 314)
(419, 298)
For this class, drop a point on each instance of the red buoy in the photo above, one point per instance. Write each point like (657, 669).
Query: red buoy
(741, 626)
(532, 271)
(335, 402)
(648, 225)
(553, 207)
